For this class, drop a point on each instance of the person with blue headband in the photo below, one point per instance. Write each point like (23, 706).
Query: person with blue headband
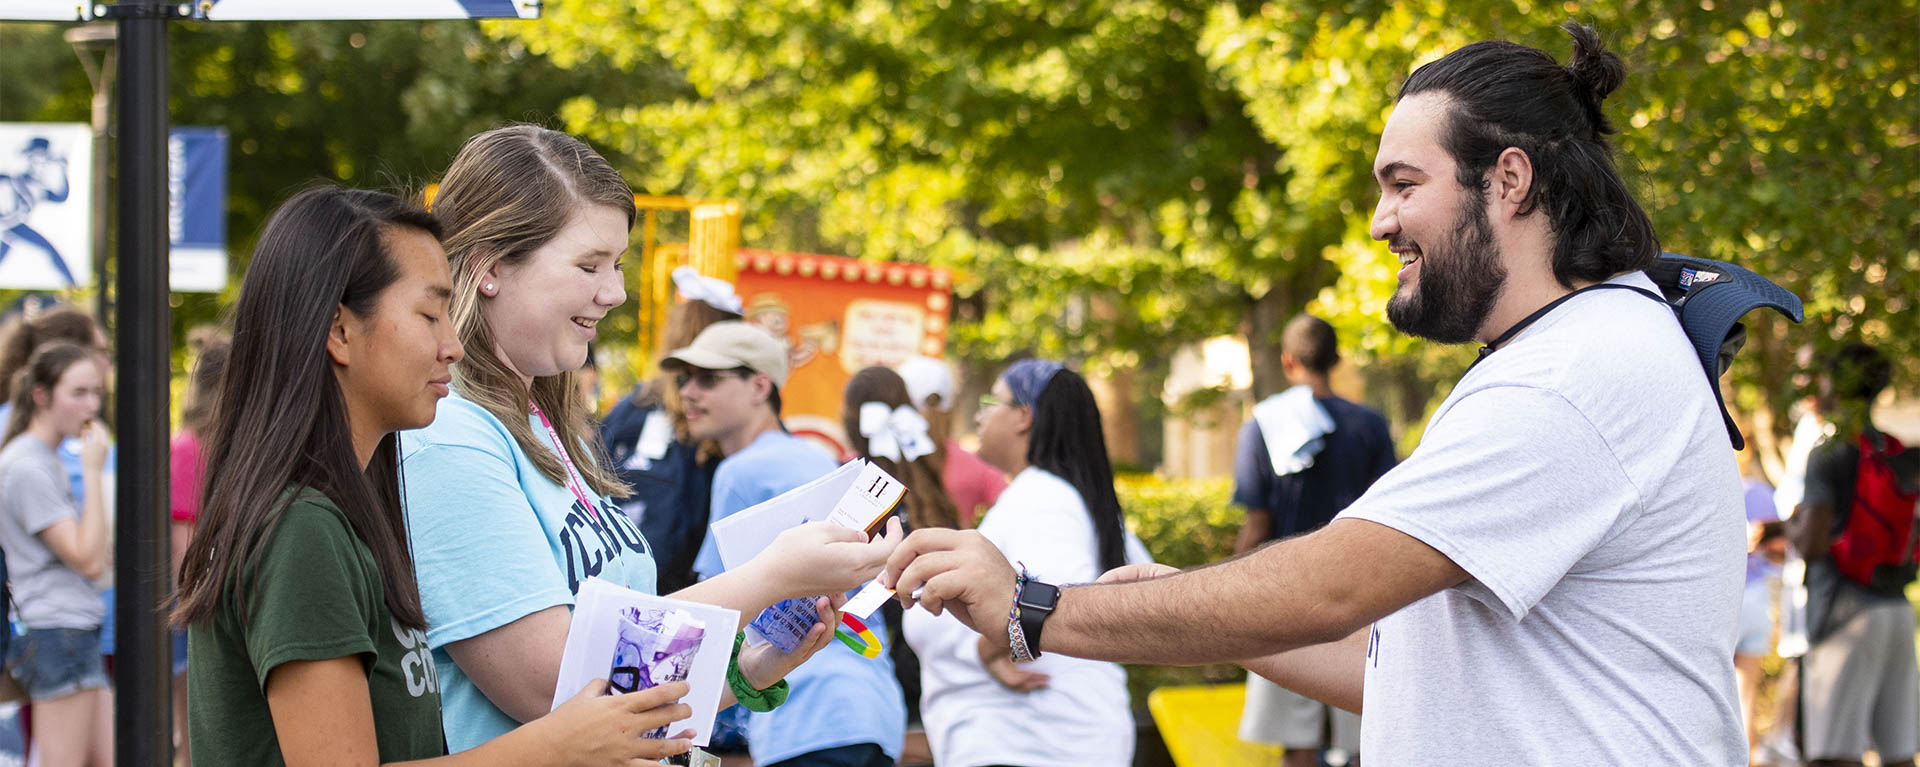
(1060, 518)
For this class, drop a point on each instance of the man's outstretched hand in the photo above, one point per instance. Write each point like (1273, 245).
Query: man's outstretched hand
(957, 571)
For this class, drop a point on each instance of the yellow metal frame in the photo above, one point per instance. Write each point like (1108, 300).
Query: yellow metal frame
(713, 241)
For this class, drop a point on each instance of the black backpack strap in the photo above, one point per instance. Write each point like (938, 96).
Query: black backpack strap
(1552, 305)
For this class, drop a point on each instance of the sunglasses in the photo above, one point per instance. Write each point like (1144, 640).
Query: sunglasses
(707, 379)
(989, 402)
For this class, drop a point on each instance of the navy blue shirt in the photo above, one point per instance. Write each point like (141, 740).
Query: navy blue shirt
(670, 494)
(1357, 452)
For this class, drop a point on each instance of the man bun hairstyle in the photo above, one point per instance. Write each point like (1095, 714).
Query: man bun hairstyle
(1596, 71)
(1504, 95)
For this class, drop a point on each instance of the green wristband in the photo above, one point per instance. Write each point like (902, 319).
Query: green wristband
(743, 690)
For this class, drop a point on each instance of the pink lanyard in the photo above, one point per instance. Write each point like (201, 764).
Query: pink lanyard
(574, 482)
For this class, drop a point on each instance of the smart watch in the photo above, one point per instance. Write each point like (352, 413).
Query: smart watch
(1036, 602)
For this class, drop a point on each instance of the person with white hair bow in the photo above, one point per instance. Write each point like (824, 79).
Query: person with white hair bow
(973, 484)
(897, 433)
(883, 427)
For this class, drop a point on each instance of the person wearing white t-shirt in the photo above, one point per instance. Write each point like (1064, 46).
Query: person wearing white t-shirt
(1060, 519)
(1554, 575)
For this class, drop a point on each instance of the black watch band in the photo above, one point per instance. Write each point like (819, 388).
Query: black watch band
(1037, 601)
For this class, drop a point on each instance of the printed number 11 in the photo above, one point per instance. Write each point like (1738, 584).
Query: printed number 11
(879, 487)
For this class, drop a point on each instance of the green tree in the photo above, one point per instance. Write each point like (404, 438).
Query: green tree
(369, 104)
(1108, 193)
(1778, 135)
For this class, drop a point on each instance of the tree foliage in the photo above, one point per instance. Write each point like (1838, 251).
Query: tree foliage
(1111, 177)
(371, 104)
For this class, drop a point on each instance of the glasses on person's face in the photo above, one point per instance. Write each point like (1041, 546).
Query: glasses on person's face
(707, 379)
(989, 402)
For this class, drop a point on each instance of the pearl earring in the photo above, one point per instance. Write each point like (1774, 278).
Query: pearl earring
(487, 287)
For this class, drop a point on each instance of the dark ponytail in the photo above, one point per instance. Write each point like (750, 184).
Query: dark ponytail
(1068, 442)
(1502, 95)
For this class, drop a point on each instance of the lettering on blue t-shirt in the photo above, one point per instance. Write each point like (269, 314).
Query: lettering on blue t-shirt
(590, 540)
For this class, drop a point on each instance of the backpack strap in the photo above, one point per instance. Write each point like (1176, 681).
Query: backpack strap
(1552, 305)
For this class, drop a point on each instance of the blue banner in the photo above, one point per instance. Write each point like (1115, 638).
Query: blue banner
(197, 208)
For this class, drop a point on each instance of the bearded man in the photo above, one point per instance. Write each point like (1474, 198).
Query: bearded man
(1554, 575)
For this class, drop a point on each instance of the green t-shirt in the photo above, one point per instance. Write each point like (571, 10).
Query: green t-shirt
(317, 596)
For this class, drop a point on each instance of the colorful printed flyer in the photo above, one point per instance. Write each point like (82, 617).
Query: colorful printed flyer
(638, 641)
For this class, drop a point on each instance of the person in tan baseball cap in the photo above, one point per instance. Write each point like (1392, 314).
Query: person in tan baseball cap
(730, 379)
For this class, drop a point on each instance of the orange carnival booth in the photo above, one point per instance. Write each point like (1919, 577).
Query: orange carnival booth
(839, 315)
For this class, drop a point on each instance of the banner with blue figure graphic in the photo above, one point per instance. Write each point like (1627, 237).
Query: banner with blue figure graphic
(46, 180)
(197, 208)
(46, 176)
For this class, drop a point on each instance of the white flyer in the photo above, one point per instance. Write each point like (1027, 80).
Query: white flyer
(638, 641)
(858, 495)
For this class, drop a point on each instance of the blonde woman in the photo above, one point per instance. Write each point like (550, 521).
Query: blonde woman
(510, 503)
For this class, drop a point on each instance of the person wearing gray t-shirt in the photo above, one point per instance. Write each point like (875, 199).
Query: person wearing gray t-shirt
(54, 549)
(51, 594)
(1554, 575)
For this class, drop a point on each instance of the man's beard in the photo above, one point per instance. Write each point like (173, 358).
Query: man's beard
(1457, 284)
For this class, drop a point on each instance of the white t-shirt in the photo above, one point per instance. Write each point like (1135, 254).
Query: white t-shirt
(1083, 718)
(1583, 478)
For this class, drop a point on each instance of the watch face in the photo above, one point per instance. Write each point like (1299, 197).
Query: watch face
(1040, 596)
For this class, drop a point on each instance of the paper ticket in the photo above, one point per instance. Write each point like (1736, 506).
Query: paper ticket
(863, 493)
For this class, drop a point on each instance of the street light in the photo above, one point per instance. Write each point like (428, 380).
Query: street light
(95, 44)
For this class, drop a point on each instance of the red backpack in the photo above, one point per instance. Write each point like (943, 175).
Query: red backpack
(1881, 543)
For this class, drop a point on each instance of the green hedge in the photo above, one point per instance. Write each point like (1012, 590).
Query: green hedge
(1184, 523)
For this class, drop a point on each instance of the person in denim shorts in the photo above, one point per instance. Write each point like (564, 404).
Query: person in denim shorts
(55, 547)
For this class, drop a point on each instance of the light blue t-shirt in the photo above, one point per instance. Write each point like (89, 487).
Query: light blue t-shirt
(837, 698)
(494, 540)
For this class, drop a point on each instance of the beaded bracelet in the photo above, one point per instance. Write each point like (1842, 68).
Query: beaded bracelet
(1016, 637)
(752, 698)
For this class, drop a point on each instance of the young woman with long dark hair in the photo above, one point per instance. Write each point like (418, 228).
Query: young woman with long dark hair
(56, 545)
(509, 494)
(307, 640)
(1061, 520)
